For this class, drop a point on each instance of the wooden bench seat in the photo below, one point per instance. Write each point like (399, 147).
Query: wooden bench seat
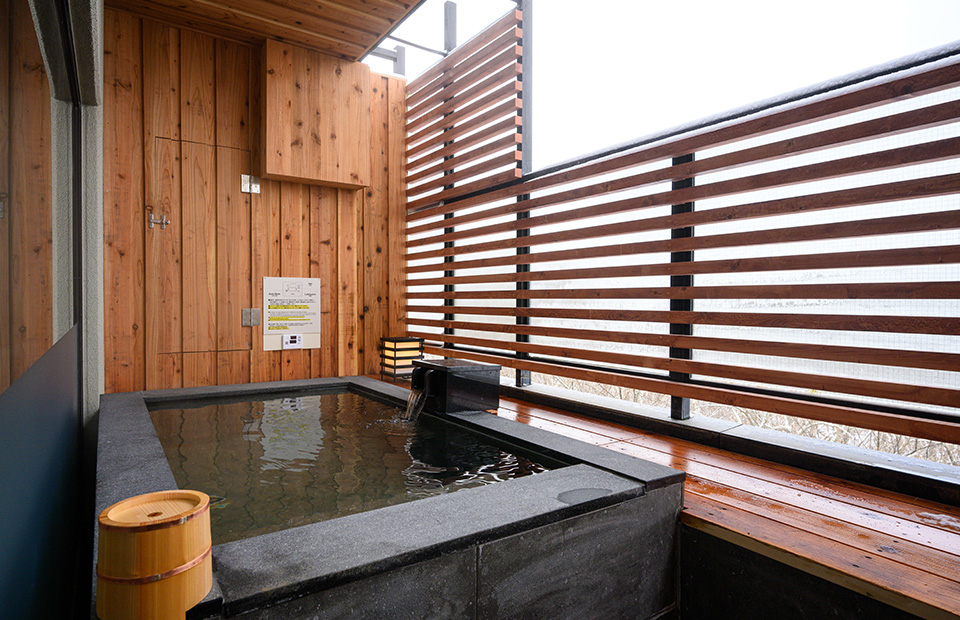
(899, 550)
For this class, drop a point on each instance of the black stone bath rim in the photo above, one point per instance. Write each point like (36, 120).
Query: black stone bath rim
(264, 570)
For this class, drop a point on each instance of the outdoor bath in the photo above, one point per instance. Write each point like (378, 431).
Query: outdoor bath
(313, 482)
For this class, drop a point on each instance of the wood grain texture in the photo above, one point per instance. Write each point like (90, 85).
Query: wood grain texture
(396, 208)
(198, 87)
(200, 281)
(30, 197)
(316, 117)
(199, 369)
(233, 95)
(323, 204)
(124, 220)
(337, 28)
(161, 81)
(233, 367)
(295, 260)
(265, 262)
(5, 301)
(233, 250)
(350, 250)
(163, 250)
(375, 214)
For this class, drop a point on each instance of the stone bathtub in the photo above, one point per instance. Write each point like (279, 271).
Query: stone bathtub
(593, 537)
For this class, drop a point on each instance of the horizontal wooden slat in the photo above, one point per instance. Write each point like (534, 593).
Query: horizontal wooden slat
(887, 422)
(443, 122)
(511, 19)
(489, 181)
(935, 255)
(822, 383)
(508, 59)
(946, 220)
(907, 83)
(940, 326)
(512, 158)
(882, 160)
(886, 290)
(507, 142)
(892, 125)
(508, 107)
(511, 124)
(859, 355)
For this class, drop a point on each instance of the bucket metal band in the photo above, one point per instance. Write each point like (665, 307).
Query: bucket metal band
(133, 581)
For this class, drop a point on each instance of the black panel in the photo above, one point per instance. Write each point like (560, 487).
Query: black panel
(721, 580)
(39, 485)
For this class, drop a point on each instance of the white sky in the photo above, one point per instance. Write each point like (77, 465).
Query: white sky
(609, 71)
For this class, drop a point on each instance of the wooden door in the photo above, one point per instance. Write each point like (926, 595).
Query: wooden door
(197, 264)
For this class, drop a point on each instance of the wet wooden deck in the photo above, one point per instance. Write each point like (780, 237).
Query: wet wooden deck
(896, 549)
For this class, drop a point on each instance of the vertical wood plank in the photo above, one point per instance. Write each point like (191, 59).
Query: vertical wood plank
(233, 94)
(294, 259)
(197, 83)
(326, 248)
(30, 195)
(163, 294)
(265, 248)
(375, 229)
(396, 208)
(161, 81)
(233, 250)
(316, 355)
(199, 369)
(349, 273)
(123, 205)
(233, 367)
(199, 247)
(5, 300)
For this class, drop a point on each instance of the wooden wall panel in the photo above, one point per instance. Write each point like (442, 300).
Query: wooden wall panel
(123, 204)
(265, 262)
(326, 248)
(233, 250)
(31, 225)
(161, 81)
(233, 95)
(197, 79)
(315, 117)
(163, 294)
(348, 313)
(5, 300)
(295, 259)
(396, 209)
(199, 247)
(201, 96)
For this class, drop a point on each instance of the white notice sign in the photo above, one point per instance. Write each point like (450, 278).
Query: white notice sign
(291, 306)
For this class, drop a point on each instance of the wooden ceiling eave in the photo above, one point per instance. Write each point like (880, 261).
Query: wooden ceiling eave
(345, 28)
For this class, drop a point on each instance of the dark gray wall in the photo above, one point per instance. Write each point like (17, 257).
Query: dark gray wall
(721, 580)
(39, 486)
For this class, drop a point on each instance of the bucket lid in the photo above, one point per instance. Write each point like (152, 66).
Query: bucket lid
(154, 510)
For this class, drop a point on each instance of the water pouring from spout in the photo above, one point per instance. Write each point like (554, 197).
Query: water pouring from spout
(415, 402)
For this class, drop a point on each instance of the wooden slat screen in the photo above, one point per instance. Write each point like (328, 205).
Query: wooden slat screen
(463, 118)
(815, 247)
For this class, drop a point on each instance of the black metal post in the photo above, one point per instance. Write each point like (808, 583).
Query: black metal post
(680, 407)
(449, 43)
(523, 377)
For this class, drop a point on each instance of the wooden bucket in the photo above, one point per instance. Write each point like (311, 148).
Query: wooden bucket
(153, 558)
